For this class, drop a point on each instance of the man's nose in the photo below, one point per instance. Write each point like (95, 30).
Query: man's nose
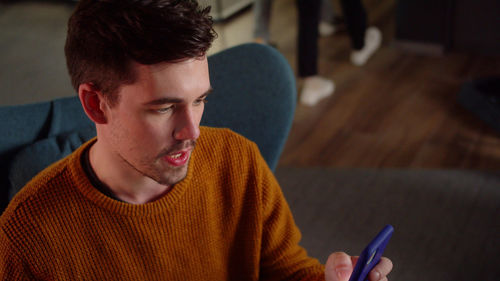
(187, 126)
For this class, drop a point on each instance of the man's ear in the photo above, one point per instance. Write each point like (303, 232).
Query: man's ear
(93, 103)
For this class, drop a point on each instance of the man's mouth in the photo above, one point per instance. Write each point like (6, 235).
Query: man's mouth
(179, 154)
(175, 156)
(178, 158)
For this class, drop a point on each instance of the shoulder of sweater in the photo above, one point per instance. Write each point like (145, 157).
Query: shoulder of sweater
(38, 182)
(224, 136)
(37, 185)
(225, 149)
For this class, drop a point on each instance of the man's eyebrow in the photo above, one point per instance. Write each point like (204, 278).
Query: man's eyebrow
(206, 93)
(168, 100)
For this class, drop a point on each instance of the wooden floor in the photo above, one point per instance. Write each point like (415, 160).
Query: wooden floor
(399, 110)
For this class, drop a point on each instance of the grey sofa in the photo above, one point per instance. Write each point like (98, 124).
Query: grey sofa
(447, 224)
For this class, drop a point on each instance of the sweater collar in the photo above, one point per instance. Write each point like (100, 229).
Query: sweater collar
(84, 185)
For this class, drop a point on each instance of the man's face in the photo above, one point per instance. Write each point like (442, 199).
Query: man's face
(154, 126)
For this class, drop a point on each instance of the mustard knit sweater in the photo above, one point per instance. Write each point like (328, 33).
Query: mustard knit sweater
(227, 220)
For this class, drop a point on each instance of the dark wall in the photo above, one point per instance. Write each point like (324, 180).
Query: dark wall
(422, 21)
(453, 25)
(477, 26)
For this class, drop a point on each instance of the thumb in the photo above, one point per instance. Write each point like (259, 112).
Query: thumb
(338, 267)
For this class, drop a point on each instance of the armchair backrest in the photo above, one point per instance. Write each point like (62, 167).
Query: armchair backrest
(254, 95)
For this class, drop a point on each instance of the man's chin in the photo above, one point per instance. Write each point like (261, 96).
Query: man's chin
(173, 176)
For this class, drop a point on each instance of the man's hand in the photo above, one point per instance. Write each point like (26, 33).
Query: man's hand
(339, 267)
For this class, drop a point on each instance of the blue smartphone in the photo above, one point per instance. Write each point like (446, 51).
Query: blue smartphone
(371, 255)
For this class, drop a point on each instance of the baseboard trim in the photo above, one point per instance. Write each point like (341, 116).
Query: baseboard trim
(419, 47)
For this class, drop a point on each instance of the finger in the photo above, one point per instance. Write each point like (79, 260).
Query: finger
(338, 267)
(354, 260)
(381, 270)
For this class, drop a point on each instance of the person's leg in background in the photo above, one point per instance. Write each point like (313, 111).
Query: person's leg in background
(314, 87)
(308, 13)
(364, 42)
(326, 25)
(262, 16)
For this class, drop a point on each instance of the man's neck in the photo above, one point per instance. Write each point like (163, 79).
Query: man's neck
(126, 183)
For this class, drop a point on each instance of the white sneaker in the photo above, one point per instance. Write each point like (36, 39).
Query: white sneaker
(316, 88)
(373, 38)
(326, 29)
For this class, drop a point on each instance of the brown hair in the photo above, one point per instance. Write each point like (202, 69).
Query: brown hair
(106, 36)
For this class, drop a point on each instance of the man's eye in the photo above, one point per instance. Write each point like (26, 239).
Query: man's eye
(165, 109)
(200, 101)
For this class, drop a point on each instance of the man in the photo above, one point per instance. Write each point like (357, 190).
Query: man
(154, 196)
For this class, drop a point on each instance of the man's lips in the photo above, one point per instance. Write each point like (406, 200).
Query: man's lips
(178, 158)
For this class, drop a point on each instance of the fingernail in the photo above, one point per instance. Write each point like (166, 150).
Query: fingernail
(343, 272)
(376, 275)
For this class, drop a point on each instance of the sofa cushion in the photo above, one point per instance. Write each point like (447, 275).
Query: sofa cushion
(446, 224)
(32, 159)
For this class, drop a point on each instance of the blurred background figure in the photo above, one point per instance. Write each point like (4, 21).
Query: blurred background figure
(262, 14)
(317, 17)
(314, 87)
(329, 21)
(364, 42)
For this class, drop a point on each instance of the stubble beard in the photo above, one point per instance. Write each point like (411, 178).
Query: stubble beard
(165, 174)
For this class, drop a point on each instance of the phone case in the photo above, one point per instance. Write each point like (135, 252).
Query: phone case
(371, 254)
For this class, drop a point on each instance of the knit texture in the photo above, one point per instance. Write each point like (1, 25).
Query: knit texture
(227, 220)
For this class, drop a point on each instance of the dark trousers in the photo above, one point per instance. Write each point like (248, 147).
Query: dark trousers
(308, 13)
(355, 20)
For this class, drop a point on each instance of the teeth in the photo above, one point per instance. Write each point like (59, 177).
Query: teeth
(175, 156)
